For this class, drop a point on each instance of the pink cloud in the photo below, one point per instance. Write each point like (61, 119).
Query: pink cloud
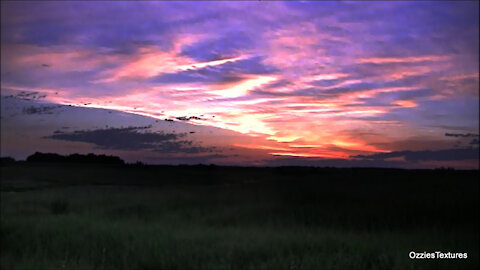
(413, 59)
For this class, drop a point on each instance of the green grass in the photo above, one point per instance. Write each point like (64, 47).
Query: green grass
(275, 220)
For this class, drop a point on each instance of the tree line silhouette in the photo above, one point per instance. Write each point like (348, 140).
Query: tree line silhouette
(74, 158)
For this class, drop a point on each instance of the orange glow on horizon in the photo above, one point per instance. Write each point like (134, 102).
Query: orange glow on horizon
(323, 155)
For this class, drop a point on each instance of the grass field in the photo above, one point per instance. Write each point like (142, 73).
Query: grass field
(207, 217)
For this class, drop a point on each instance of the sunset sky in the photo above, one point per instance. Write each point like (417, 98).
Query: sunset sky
(392, 84)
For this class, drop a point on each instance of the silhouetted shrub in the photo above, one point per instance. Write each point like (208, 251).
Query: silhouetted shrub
(6, 160)
(59, 207)
(45, 157)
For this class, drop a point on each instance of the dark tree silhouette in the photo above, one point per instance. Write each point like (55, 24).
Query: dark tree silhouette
(6, 160)
(75, 158)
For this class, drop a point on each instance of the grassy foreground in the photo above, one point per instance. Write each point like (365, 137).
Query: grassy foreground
(204, 217)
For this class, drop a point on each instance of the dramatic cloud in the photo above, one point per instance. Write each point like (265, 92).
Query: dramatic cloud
(302, 76)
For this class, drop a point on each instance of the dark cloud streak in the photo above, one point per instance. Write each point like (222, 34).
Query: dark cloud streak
(133, 138)
(463, 135)
(426, 155)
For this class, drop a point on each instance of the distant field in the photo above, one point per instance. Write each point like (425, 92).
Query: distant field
(205, 217)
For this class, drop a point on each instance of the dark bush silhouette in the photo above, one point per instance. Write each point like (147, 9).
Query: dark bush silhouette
(75, 158)
(6, 160)
(45, 157)
(139, 163)
(59, 207)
